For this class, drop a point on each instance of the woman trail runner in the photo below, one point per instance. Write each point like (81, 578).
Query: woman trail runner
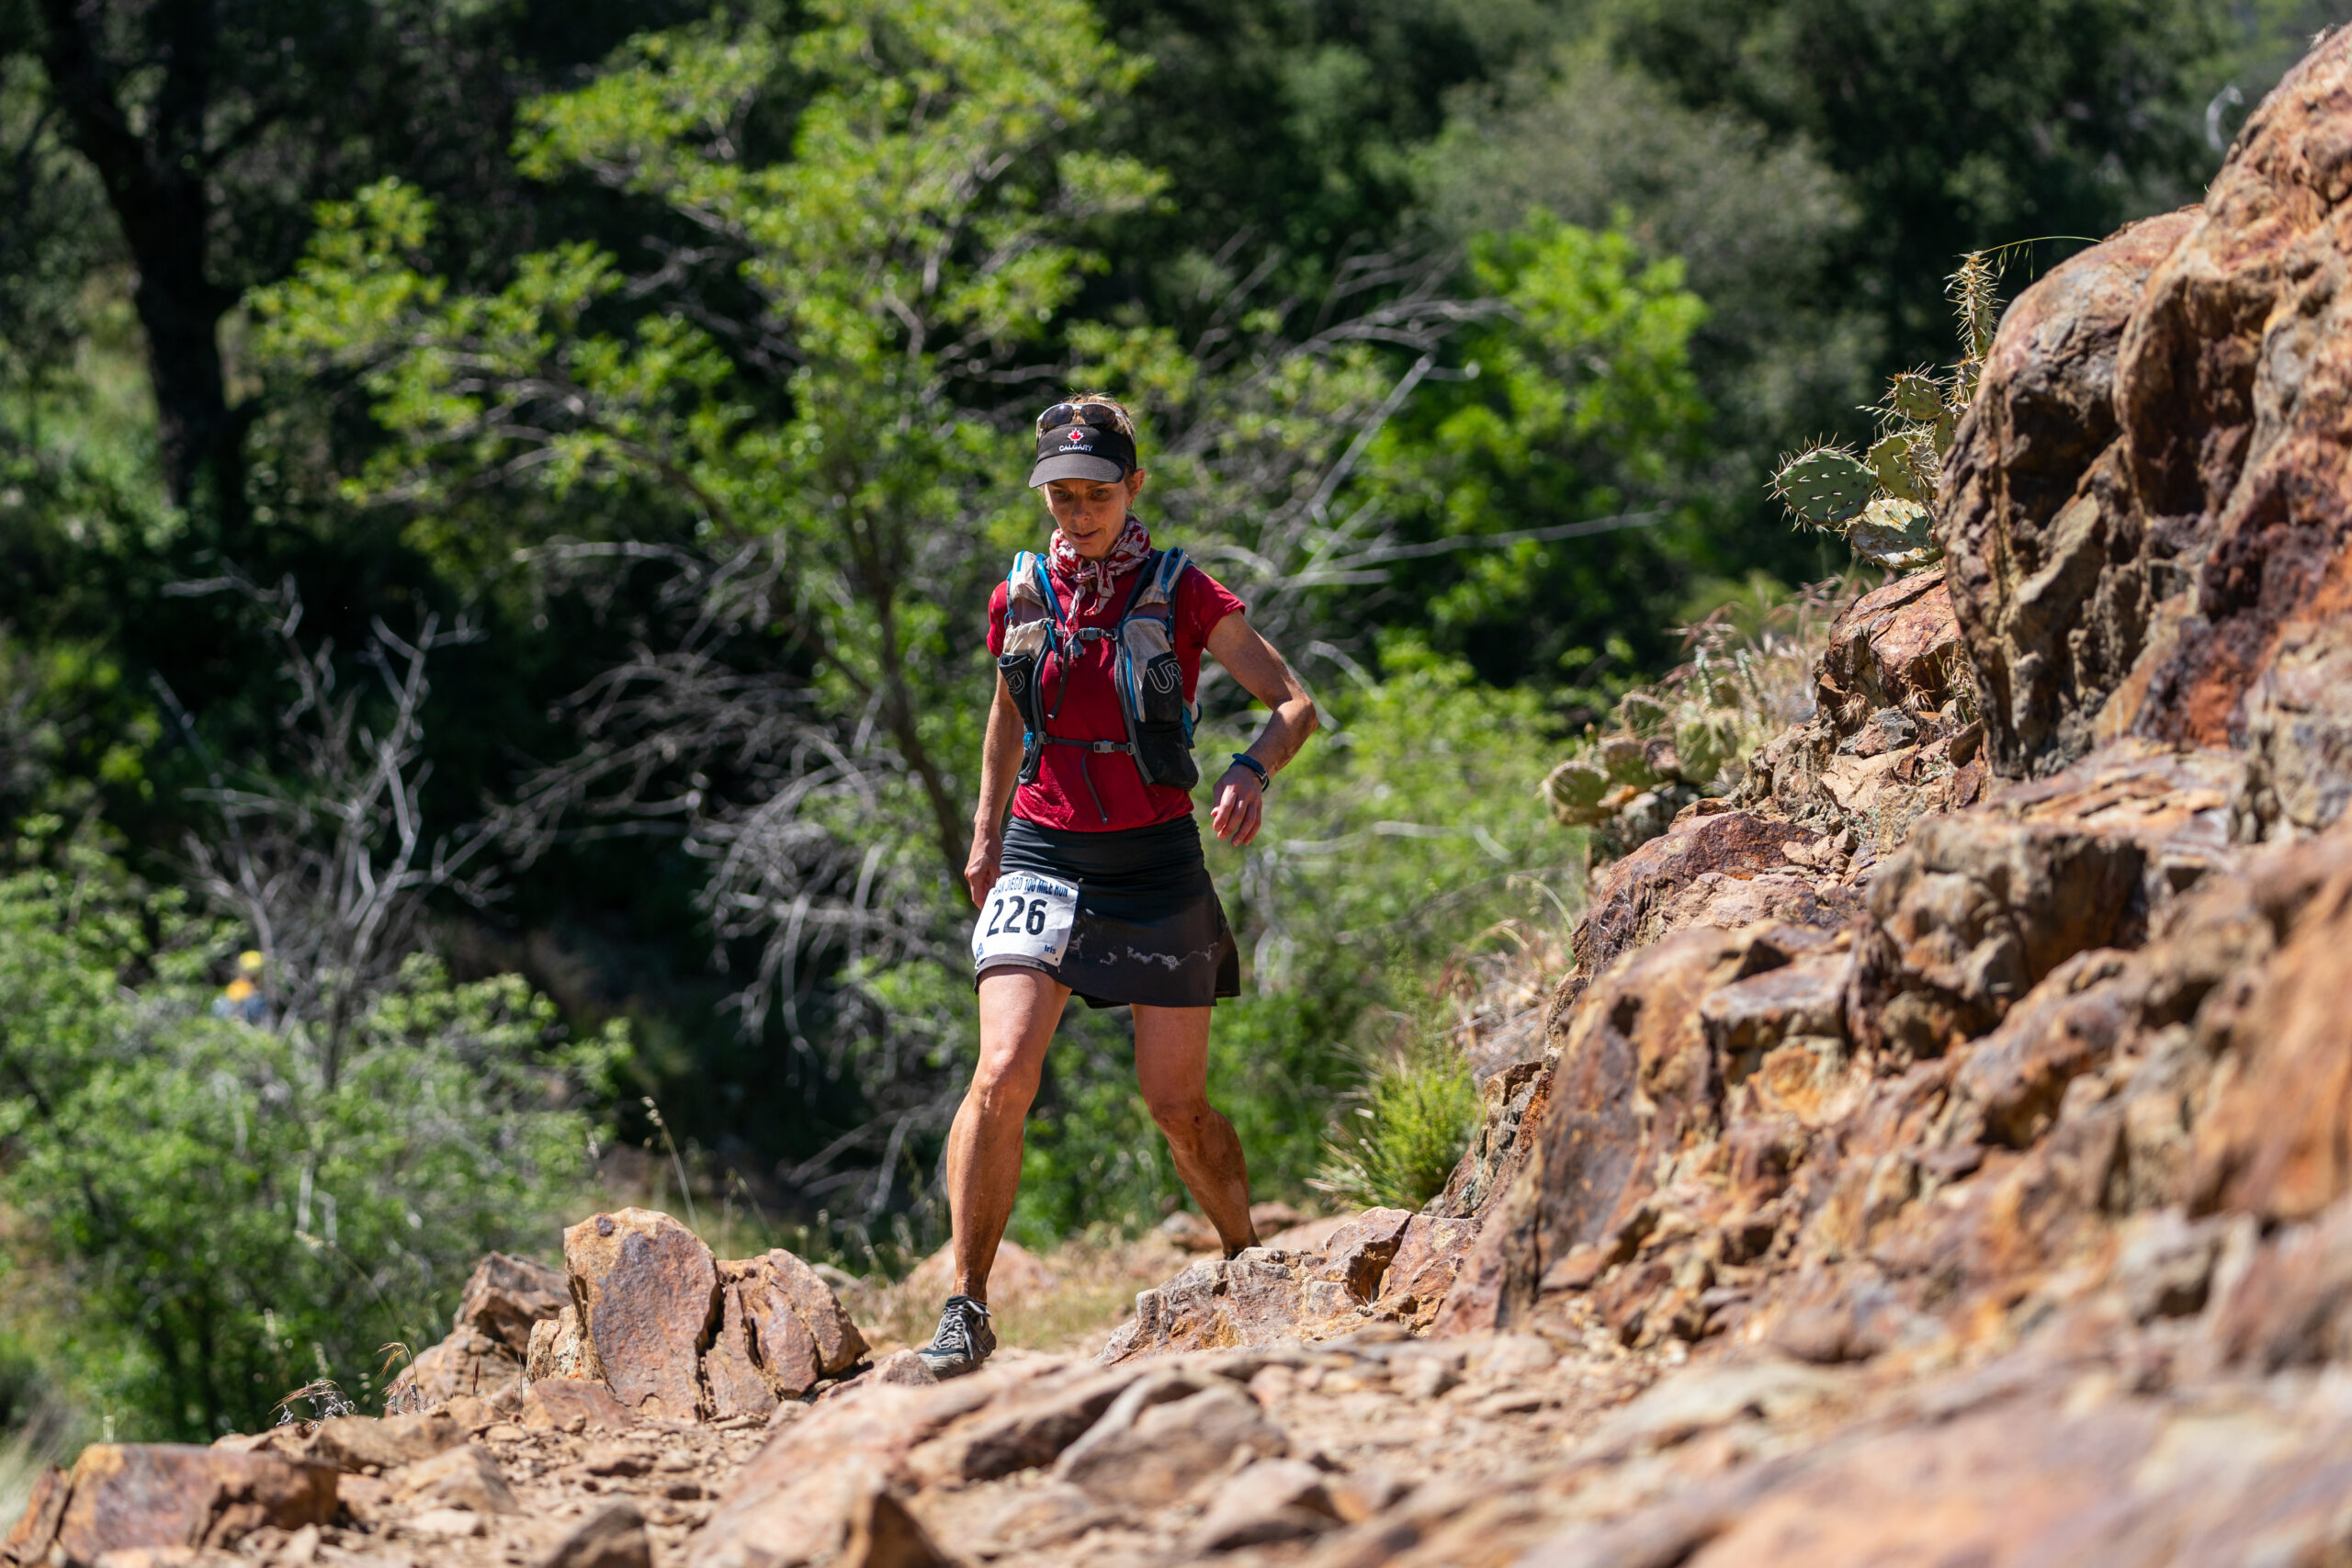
(1096, 885)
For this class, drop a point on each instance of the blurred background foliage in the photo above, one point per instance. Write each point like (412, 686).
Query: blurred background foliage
(498, 500)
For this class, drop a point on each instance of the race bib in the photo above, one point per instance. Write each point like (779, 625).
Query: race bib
(1025, 917)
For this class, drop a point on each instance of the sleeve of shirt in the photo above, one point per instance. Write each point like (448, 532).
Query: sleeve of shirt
(997, 602)
(1200, 603)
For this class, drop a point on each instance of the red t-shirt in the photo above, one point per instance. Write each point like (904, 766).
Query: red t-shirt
(1090, 711)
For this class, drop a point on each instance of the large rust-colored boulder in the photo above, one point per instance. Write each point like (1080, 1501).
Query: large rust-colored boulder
(2277, 1144)
(648, 1290)
(2159, 548)
(1636, 1082)
(157, 1497)
(1975, 911)
(2054, 576)
(2232, 382)
(1628, 898)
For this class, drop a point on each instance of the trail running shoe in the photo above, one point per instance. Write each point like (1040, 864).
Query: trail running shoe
(963, 1341)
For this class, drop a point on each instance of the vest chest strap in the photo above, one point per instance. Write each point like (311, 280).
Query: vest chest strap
(1098, 747)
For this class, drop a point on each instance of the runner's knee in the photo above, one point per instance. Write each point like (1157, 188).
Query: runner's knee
(1182, 1117)
(1004, 1081)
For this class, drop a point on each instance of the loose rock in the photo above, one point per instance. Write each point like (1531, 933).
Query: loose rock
(612, 1537)
(647, 1290)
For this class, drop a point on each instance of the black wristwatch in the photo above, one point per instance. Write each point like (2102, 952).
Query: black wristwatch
(1265, 779)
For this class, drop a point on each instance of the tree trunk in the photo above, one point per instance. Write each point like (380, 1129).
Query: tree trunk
(156, 181)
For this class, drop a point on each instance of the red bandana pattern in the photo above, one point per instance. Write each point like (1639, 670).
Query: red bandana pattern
(1096, 576)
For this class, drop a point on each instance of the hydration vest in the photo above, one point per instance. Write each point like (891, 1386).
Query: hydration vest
(1149, 680)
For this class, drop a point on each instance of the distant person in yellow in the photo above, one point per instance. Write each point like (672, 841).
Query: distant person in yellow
(242, 998)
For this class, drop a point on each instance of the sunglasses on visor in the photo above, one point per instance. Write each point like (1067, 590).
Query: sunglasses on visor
(1094, 414)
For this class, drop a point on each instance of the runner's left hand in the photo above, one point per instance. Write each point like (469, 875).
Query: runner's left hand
(1241, 808)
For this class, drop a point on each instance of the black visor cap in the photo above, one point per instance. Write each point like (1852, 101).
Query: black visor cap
(1083, 452)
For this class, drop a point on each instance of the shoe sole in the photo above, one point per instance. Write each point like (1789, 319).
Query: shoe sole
(954, 1369)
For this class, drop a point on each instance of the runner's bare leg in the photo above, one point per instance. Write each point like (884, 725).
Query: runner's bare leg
(1018, 1011)
(1172, 1065)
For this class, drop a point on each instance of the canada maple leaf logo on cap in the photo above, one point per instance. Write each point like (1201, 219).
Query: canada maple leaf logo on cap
(1076, 434)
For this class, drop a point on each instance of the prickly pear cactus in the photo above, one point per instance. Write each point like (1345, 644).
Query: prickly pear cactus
(1671, 744)
(1826, 487)
(1905, 462)
(1884, 502)
(1575, 789)
(1915, 395)
(1898, 533)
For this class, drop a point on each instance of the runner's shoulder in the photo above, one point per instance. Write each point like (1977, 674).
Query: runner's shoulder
(1205, 600)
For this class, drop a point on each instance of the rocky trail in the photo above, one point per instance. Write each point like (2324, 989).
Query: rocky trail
(1940, 1153)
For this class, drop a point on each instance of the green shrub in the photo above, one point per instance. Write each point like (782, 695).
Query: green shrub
(222, 1224)
(1418, 1111)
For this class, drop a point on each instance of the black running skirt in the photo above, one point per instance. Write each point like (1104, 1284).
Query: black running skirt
(1149, 928)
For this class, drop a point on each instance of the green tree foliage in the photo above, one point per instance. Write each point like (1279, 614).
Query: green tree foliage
(1287, 128)
(231, 1225)
(1955, 124)
(1821, 164)
(920, 231)
(1576, 406)
(1757, 222)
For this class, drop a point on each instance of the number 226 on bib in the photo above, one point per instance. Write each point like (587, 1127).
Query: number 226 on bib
(1025, 917)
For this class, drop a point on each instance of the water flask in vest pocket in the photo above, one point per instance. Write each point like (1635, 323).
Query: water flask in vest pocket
(1022, 664)
(1155, 694)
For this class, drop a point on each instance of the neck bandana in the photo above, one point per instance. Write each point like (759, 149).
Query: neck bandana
(1096, 577)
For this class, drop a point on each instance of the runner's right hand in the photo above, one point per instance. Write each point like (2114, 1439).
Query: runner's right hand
(980, 871)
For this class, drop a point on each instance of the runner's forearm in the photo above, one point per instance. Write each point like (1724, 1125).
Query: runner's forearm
(1268, 677)
(1286, 731)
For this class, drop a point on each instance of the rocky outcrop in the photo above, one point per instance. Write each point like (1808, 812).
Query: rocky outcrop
(2078, 1047)
(2150, 518)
